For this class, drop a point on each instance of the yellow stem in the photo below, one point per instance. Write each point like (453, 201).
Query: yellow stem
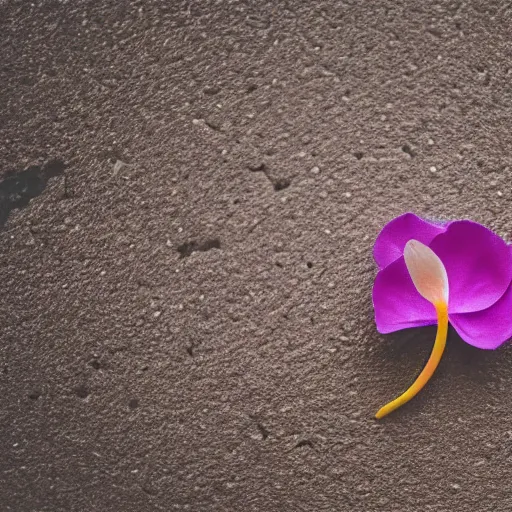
(430, 367)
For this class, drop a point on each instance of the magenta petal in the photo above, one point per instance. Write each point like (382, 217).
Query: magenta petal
(478, 263)
(488, 328)
(391, 241)
(396, 301)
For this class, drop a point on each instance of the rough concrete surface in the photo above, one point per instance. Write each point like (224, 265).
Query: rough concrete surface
(190, 191)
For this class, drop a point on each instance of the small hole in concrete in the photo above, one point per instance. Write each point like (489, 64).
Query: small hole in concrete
(95, 364)
(188, 248)
(81, 391)
(256, 167)
(281, 184)
(309, 264)
(408, 150)
(34, 395)
(211, 91)
(304, 442)
(133, 403)
(263, 431)
(358, 155)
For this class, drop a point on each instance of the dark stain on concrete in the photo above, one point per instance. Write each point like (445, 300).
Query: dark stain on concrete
(17, 189)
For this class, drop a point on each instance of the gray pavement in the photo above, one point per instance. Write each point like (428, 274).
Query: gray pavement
(189, 195)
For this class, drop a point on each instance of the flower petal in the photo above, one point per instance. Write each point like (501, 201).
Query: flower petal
(397, 303)
(489, 328)
(390, 242)
(427, 272)
(478, 263)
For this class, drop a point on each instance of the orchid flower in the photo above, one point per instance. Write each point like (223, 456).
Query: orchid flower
(458, 272)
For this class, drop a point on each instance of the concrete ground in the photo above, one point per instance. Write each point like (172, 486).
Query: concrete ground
(189, 195)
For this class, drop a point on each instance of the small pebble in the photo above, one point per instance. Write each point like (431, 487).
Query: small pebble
(500, 193)
(118, 166)
(433, 169)
(430, 142)
(156, 314)
(315, 170)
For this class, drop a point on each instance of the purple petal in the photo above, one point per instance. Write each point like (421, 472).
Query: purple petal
(397, 303)
(488, 328)
(478, 263)
(391, 241)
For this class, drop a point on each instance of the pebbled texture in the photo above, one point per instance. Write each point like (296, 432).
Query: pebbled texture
(186, 305)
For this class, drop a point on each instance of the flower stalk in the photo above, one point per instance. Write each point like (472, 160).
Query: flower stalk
(430, 367)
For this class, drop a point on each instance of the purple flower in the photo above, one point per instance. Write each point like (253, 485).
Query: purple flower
(434, 273)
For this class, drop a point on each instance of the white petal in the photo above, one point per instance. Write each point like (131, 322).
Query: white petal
(427, 272)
